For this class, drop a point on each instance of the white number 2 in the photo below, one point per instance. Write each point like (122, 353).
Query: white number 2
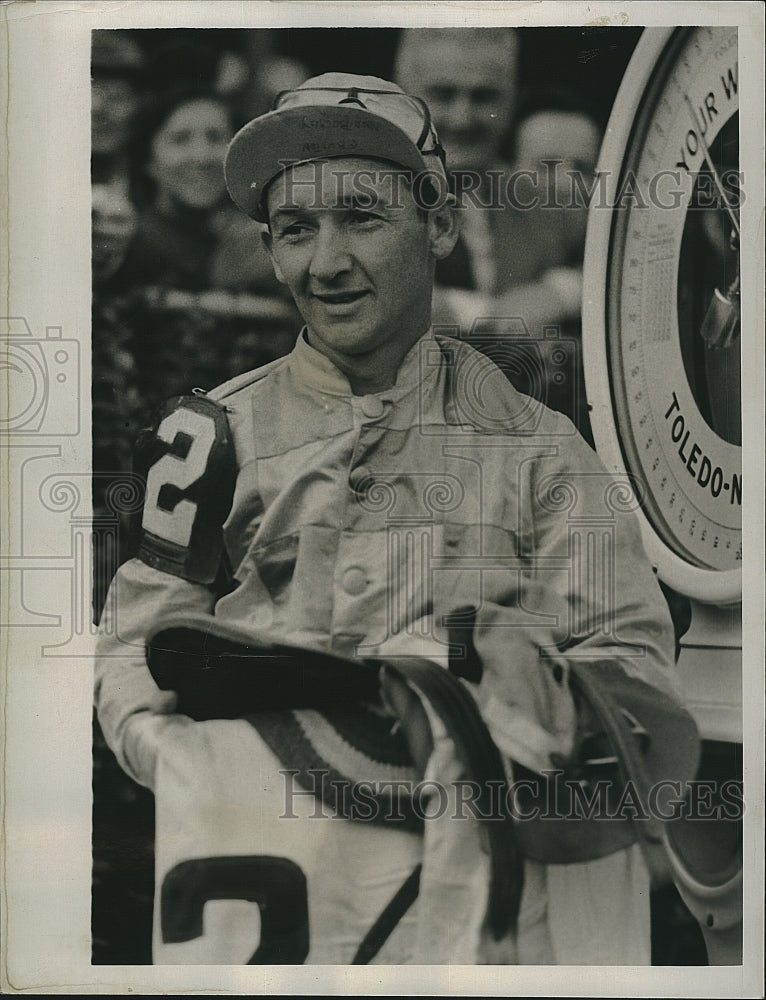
(176, 525)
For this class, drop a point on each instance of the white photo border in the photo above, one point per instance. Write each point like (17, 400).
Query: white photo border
(47, 699)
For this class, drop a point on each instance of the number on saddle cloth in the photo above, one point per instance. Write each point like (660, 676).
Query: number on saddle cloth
(240, 678)
(189, 465)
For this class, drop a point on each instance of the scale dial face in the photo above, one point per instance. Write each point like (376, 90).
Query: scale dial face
(667, 247)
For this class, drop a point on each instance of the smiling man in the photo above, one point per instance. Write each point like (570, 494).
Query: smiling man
(373, 544)
(345, 230)
(358, 261)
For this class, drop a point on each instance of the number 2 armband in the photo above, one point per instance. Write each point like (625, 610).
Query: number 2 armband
(190, 469)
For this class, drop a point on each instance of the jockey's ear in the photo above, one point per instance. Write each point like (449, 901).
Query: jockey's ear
(406, 705)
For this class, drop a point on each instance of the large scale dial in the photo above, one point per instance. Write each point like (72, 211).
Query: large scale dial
(662, 322)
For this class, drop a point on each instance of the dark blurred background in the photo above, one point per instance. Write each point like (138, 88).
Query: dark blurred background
(589, 61)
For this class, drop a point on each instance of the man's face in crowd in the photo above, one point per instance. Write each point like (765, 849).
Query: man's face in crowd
(469, 88)
(567, 136)
(113, 104)
(348, 240)
(572, 141)
(113, 222)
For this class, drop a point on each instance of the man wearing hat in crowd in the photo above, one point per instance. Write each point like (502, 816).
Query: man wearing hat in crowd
(379, 496)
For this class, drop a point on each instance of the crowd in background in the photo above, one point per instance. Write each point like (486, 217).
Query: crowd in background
(184, 295)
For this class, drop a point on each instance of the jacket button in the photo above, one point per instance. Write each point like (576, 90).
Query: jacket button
(354, 580)
(371, 406)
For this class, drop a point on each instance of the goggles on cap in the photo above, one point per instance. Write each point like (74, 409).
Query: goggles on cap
(341, 118)
(408, 113)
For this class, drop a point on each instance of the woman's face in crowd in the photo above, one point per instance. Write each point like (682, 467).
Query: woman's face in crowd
(186, 159)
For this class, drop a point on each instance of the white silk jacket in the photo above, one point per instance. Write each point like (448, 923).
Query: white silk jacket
(361, 523)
